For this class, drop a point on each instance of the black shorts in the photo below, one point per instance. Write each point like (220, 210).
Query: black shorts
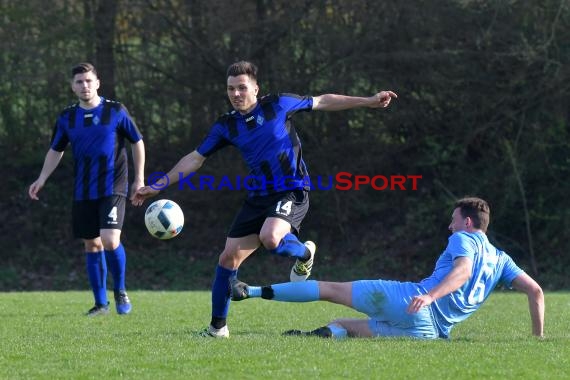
(291, 206)
(91, 216)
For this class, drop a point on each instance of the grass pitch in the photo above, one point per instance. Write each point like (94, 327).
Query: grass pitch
(44, 335)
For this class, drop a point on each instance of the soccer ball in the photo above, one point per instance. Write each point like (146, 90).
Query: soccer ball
(164, 219)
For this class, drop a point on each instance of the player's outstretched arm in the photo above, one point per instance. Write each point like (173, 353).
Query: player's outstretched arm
(455, 279)
(138, 165)
(526, 284)
(51, 161)
(187, 164)
(335, 102)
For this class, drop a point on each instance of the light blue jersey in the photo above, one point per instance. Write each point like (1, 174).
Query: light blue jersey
(491, 266)
(385, 302)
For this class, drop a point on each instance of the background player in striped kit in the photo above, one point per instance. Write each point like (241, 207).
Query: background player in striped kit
(97, 128)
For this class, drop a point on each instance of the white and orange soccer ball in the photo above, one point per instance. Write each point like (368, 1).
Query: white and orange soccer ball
(164, 219)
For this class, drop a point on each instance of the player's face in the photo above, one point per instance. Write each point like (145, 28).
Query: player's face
(458, 223)
(242, 92)
(85, 86)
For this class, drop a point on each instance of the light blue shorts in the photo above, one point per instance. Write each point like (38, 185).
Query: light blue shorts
(385, 302)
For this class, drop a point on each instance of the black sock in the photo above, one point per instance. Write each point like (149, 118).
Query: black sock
(267, 292)
(307, 255)
(218, 322)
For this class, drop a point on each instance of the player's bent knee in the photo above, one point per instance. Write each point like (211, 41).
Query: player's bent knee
(229, 260)
(270, 241)
(111, 244)
(110, 239)
(92, 245)
(336, 292)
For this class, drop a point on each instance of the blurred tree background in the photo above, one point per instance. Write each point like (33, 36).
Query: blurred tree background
(483, 109)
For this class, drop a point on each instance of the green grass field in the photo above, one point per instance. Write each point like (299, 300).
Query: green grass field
(44, 335)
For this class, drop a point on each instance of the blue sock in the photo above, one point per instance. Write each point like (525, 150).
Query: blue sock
(221, 292)
(290, 246)
(117, 261)
(97, 273)
(306, 291)
(254, 291)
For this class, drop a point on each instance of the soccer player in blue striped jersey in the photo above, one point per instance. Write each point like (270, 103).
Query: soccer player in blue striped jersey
(278, 198)
(467, 271)
(97, 129)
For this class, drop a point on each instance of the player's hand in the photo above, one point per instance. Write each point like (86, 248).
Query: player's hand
(143, 193)
(418, 302)
(35, 189)
(383, 99)
(137, 184)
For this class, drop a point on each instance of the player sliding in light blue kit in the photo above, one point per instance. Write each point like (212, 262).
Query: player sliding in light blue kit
(464, 276)
(278, 198)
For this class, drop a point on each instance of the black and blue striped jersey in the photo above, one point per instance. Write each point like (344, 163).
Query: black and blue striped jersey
(267, 141)
(97, 138)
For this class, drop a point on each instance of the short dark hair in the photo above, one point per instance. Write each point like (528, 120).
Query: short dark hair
(477, 209)
(242, 67)
(83, 67)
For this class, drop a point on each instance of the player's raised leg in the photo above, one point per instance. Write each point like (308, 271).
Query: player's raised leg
(307, 291)
(276, 236)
